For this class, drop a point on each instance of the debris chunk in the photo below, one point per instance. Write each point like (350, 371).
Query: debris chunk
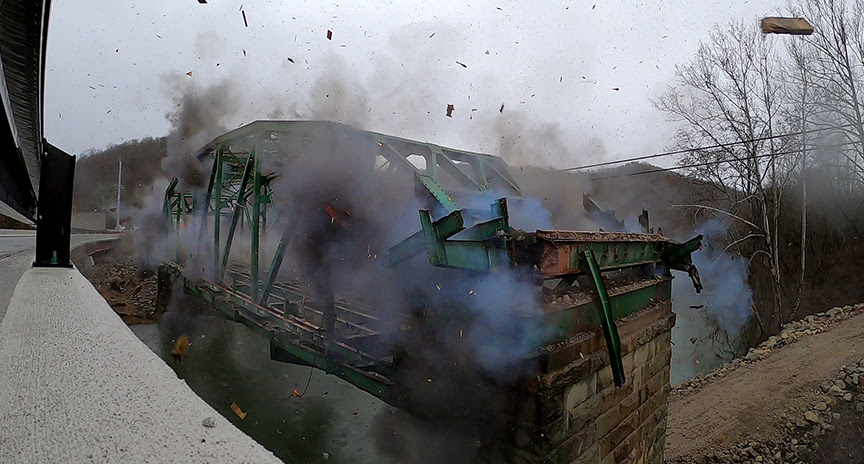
(189, 73)
(329, 34)
(450, 109)
(615, 89)
(180, 349)
(501, 110)
(297, 394)
(289, 59)
(337, 216)
(462, 64)
(245, 23)
(238, 411)
(432, 35)
(209, 422)
(780, 25)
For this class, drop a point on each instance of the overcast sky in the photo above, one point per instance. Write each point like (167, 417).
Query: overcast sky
(115, 69)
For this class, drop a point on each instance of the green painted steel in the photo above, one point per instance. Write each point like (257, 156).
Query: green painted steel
(235, 217)
(585, 316)
(256, 223)
(275, 265)
(437, 192)
(610, 330)
(444, 227)
(469, 239)
(299, 341)
(217, 208)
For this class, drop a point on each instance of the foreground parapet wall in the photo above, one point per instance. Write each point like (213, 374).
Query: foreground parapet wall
(78, 386)
(574, 413)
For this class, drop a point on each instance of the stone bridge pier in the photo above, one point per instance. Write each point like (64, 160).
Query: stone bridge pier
(572, 412)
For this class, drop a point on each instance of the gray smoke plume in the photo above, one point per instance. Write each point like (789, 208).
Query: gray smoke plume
(199, 116)
(472, 333)
(727, 295)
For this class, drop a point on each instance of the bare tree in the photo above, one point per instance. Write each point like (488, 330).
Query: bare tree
(835, 63)
(731, 95)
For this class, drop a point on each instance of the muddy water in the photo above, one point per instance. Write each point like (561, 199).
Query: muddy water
(229, 363)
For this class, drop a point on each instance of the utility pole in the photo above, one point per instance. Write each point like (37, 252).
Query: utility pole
(119, 187)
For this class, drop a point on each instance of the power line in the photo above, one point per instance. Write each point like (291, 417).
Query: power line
(710, 147)
(715, 162)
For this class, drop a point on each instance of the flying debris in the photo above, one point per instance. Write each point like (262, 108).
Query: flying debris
(780, 25)
(238, 411)
(180, 349)
(450, 109)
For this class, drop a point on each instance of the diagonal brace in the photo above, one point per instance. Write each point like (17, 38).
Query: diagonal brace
(610, 330)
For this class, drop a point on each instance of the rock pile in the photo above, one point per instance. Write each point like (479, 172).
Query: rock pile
(131, 292)
(810, 325)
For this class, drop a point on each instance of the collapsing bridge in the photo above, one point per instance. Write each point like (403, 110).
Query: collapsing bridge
(564, 292)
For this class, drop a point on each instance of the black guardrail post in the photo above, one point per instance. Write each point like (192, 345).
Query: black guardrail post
(54, 211)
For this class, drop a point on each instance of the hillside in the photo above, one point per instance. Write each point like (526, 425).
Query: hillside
(96, 173)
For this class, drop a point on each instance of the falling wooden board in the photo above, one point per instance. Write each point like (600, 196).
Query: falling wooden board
(780, 25)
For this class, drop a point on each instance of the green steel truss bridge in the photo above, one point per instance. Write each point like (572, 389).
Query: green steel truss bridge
(623, 273)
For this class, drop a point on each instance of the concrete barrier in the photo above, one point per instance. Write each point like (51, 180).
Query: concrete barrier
(77, 386)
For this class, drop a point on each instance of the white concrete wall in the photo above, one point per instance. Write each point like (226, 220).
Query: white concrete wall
(77, 386)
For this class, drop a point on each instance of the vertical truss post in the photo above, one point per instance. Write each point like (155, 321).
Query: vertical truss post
(217, 209)
(264, 220)
(276, 264)
(610, 330)
(256, 222)
(235, 218)
(202, 230)
(177, 228)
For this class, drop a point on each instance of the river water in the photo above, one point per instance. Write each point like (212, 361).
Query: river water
(333, 420)
(229, 363)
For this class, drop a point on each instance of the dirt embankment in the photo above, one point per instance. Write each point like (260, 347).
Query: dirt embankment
(130, 290)
(799, 397)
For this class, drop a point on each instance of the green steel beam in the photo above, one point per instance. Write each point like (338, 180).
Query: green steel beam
(276, 264)
(610, 330)
(484, 230)
(434, 247)
(445, 227)
(472, 255)
(437, 192)
(256, 223)
(235, 217)
(448, 166)
(217, 209)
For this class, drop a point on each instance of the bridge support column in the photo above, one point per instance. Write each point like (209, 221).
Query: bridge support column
(574, 413)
